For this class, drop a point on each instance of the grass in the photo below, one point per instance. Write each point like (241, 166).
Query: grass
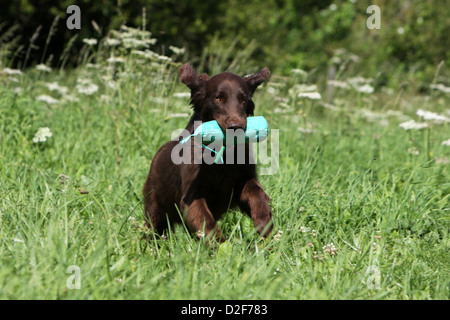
(355, 182)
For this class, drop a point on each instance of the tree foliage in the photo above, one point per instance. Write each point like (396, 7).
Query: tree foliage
(280, 34)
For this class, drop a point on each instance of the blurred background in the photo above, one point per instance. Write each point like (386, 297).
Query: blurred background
(283, 35)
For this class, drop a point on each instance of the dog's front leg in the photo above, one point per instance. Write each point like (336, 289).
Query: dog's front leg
(255, 202)
(199, 218)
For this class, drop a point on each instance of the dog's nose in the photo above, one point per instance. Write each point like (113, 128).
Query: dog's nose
(235, 126)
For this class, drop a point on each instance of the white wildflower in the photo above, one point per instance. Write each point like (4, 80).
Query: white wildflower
(148, 54)
(141, 53)
(47, 99)
(136, 43)
(442, 160)
(54, 86)
(365, 88)
(87, 90)
(284, 105)
(176, 50)
(91, 42)
(85, 86)
(446, 143)
(92, 66)
(281, 99)
(440, 87)
(361, 84)
(413, 125)
(112, 84)
(310, 95)
(305, 87)
(370, 115)
(359, 80)
(105, 97)
(42, 134)
(70, 98)
(12, 72)
(178, 115)
(43, 67)
(330, 248)
(129, 32)
(182, 94)
(115, 60)
(163, 58)
(338, 84)
(400, 30)
(299, 72)
(298, 89)
(13, 79)
(277, 237)
(273, 91)
(431, 116)
(112, 42)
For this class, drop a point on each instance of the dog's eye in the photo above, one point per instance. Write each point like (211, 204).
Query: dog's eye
(219, 98)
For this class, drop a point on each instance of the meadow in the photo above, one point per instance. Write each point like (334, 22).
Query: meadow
(360, 200)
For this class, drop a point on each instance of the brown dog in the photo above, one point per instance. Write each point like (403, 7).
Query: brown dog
(202, 192)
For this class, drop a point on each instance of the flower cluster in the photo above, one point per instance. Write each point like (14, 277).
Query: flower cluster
(310, 95)
(90, 42)
(54, 86)
(42, 134)
(131, 38)
(360, 84)
(440, 87)
(432, 116)
(277, 237)
(413, 125)
(329, 248)
(308, 91)
(47, 99)
(42, 67)
(86, 86)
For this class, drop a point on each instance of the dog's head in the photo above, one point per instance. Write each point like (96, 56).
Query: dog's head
(226, 97)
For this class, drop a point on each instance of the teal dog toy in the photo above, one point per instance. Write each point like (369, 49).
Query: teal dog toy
(257, 130)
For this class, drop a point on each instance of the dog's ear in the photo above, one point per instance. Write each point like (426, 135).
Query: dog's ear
(250, 108)
(255, 80)
(191, 78)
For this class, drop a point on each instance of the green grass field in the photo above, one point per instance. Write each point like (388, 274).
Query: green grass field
(360, 205)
